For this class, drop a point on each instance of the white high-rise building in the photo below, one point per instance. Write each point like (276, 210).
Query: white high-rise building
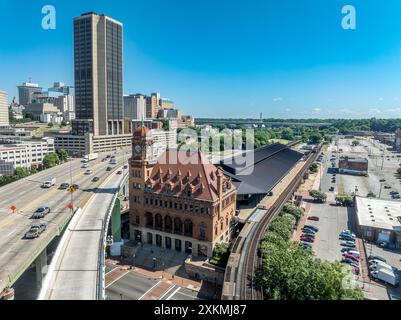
(135, 107)
(4, 109)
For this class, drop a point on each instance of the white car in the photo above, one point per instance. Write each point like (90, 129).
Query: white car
(355, 253)
(85, 165)
(88, 171)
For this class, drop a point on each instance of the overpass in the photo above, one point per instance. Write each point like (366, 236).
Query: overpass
(78, 267)
(17, 255)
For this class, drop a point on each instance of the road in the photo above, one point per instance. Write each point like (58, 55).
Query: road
(27, 196)
(75, 273)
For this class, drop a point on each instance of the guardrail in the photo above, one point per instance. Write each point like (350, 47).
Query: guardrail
(101, 268)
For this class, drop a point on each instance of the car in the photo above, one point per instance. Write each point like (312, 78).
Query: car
(347, 260)
(387, 187)
(95, 179)
(346, 231)
(316, 229)
(306, 245)
(394, 192)
(347, 237)
(355, 253)
(75, 186)
(314, 218)
(64, 186)
(125, 166)
(307, 230)
(108, 156)
(348, 244)
(307, 239)
(108, 169)
(333, 181)
(376, 258)
(35, 230)
(119, 172)
(331, 189)
(308, 235)
(87, 172)
(350, 256)
(40, 212)
(346, 249)
(85, 165)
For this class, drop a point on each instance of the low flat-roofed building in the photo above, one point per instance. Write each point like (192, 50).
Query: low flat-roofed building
(379, 220)
(353, 165)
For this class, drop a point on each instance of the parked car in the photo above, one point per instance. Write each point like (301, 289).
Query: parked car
(308, 235)
(307, 239)
(35, 230)
(356, 270)
(346, 249)
(331, 189)
(347, 260)
(310, 231)
(306, 245)
(125, 166)
(348, 244)
(64, 186)
(347, 238)
(314, 218)
(355, 253)
(75, 186)
(350, 256)
(41, 212)
(376, 258)
(87, 172)
(95, 179)
(316, 229)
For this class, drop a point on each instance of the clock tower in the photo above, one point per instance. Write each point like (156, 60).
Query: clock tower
(140, 168)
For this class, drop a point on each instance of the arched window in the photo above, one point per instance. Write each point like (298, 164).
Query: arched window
(168, 224)
(149, 220)
(188, 227)
(158, 222)
(177, 225)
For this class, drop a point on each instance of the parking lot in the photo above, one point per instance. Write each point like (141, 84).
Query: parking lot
(125, 284)
(333, 219)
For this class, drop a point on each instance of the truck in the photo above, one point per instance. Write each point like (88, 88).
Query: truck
(386, 276)
(90, 157)
(49, 182)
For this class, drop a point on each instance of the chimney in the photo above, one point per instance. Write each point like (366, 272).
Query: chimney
(220, 178)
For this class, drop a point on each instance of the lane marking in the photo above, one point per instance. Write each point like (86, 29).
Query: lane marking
(167, 292)
(118, 278)
(172, 295)
(140, 298)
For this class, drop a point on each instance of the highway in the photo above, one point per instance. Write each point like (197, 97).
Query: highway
(16, 253)
(75, 272)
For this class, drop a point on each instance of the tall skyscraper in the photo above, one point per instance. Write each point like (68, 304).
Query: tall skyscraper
(25, 92)
(4, 109)
(98, 66)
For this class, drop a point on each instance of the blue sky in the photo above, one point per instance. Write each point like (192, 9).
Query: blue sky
(221, 58)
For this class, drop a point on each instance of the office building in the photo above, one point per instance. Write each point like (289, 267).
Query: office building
(166, 103)
(187, 207)
(4, 122)
(66, 104)
(135, 107)
(25, 92)
(152, 105)
(25, 153)
(98, 68)
(40, 110)
(169, 114)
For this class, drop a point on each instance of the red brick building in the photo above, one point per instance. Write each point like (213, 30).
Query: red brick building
(179, 201)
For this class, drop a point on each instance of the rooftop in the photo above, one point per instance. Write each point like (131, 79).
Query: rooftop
(260, 172)
(379, 213)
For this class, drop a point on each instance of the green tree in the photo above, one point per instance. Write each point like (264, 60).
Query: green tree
(313, 168)
(318, 195)
(50, 125)
(399, 171)
(62, 155)
(371, 195)
(50, 160)
(293, 210)
(315, 137)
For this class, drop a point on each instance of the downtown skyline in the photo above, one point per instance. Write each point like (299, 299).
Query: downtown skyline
(285, 60)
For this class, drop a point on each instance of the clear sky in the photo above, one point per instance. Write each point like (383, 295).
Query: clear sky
(226, 58)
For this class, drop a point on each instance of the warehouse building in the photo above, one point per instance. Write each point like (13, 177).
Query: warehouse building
(379, 220)
(353, 165)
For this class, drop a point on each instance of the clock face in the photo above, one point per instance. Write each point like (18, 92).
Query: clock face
(137, 149)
